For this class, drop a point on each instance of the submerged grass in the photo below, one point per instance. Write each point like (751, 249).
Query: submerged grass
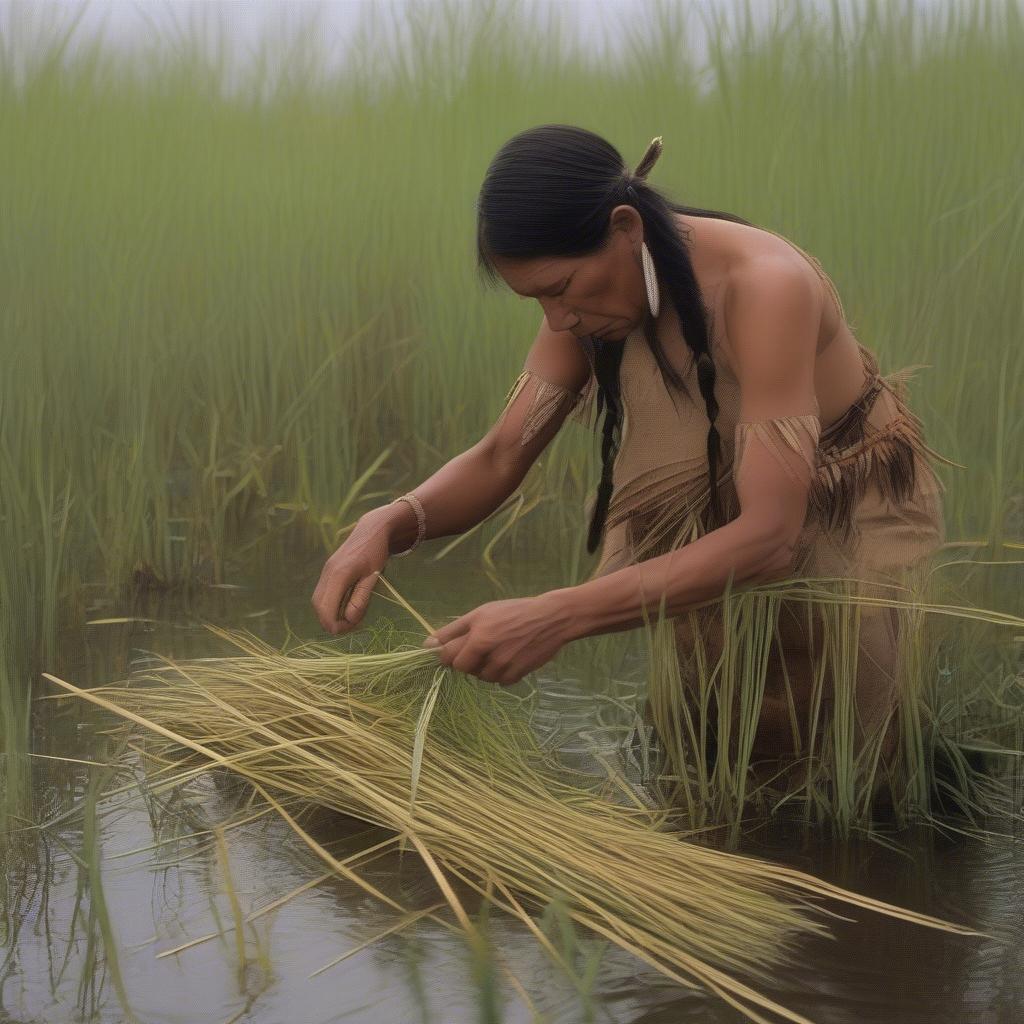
(839, 774)
(492, 811)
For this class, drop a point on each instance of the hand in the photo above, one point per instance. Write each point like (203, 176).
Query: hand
(502, 641)
(349, 576)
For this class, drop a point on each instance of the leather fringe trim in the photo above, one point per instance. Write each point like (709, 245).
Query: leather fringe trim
(791, 440)
(546, 400)
(853, 454)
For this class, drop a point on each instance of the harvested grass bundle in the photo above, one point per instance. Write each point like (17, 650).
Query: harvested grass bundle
(454, 769)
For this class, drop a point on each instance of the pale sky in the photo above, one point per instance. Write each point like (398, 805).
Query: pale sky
(135, 24)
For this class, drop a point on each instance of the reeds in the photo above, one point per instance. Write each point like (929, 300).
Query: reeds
(469, 788)
(838, 773)
(170, 250)
(153, 282)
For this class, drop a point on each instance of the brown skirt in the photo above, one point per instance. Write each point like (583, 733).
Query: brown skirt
(875, 516)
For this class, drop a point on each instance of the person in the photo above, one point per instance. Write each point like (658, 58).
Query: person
(747, 435)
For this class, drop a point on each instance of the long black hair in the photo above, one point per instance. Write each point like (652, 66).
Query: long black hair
(550, 191)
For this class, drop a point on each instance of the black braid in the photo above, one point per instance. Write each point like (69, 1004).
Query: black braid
(694, 319)
(548, 192)
(706, 382)
(607, 361)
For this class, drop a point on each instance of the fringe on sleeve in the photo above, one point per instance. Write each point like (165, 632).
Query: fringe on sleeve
(863, 448)
(790, 440)
(547, 399)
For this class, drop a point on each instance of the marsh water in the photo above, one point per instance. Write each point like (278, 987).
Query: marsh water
(253, 279)
(159, 893)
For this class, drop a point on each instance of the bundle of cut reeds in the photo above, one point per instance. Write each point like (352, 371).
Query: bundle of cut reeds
(454, 769)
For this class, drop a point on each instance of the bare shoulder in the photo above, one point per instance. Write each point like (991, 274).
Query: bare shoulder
(759, 261)
(771, 298)
(739, 265)
(558, 357)
(771, 284)
(770, 294)
(772, 315)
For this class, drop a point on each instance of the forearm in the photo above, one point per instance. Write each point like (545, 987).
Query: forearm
(744, 550)
(463, 492)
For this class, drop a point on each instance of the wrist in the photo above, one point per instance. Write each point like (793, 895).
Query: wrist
(564, 609)
(380, 518)
(396, 521)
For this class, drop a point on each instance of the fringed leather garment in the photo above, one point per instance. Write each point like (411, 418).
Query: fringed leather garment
(874, 512)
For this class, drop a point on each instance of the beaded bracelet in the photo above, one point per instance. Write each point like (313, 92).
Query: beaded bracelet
(421, 521)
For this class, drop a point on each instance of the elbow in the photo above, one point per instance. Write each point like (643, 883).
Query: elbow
(779, 557)
(776, 544)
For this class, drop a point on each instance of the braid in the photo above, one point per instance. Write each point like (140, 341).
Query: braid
(706, 382)
(667, 250)
(607, 361)
(676, 277)
(549, 192)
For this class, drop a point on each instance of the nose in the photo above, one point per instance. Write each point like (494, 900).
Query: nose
(558, 316)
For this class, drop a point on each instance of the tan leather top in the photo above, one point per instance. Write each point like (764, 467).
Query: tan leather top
(871, 475)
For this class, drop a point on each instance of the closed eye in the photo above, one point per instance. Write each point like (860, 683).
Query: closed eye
(554, 295)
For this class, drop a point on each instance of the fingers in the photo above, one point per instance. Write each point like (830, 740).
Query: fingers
(458, 627)
(446, 652)
(325, 595)
(459, 654)
(340, 600)
(468, 658)
(462, 655)
(497, 671)
(355, 609)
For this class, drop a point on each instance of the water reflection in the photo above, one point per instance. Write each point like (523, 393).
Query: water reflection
(134, 871)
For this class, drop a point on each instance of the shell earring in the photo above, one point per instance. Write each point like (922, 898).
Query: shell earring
(650, 279)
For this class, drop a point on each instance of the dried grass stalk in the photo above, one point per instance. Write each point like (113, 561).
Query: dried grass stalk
(490, 806)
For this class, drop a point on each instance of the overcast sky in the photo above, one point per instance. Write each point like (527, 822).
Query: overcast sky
(127, 21)
(131, 23)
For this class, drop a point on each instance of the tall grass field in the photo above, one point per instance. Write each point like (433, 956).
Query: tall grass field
(240, 312)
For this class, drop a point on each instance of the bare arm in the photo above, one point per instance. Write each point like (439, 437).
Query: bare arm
(773, 327)
(472, 485)
(467, 488)
(773, 317)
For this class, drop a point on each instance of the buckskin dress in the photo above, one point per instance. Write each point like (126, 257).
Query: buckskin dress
(874, 511)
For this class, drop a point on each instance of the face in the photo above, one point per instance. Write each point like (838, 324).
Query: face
(601, 293)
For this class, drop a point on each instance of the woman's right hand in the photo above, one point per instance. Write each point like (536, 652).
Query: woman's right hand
(349, 575)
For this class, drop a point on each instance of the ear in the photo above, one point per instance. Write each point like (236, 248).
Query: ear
(626, 218)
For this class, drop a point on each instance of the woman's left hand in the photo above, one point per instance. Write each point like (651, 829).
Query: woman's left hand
(502, 641)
